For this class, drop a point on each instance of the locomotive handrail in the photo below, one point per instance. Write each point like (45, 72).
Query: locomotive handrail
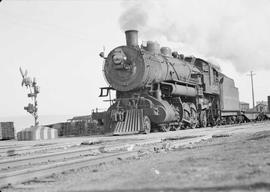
(181, 82)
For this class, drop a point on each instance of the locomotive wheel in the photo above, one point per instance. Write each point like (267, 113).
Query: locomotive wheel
(146, 124)
(193, 118)
(177, 127)
(203, 119)
(165, 128)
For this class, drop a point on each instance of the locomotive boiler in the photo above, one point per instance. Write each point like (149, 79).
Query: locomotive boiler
(160, 89)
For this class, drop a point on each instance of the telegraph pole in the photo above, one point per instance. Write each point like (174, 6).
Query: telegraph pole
(251, 78)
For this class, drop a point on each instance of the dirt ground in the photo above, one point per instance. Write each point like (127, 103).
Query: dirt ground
(229, 162)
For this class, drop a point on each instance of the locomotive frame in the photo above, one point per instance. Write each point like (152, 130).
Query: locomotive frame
(159, 89)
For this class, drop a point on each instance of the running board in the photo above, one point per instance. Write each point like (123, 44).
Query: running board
(133, 123)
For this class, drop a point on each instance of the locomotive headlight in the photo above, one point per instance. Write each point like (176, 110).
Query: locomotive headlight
(118, 59)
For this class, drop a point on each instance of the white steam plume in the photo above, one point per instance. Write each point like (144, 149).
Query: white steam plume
(233, 30)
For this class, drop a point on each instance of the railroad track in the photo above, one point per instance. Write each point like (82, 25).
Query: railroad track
(26, 168)
(30, 168)
(24, 150)
(243, 124)
(32, 147)
(23, 175)
(9, 164)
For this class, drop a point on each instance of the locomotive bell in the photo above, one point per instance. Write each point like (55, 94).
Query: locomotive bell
(132, 38)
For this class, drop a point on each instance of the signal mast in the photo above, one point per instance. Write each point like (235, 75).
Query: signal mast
(31, 84)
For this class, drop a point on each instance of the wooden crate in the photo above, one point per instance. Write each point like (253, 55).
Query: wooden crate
(7, 130)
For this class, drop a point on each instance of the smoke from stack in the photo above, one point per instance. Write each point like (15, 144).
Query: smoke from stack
(135, 17)
(236, 31)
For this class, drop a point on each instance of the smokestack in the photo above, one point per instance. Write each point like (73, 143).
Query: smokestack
(132, 38)
(268, 100)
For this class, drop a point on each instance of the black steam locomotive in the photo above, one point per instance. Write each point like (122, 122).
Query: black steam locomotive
(160, 89)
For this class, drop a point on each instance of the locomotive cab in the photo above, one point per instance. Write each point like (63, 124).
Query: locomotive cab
(210, 76)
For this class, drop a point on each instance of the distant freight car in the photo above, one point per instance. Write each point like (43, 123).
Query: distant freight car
(7, 130)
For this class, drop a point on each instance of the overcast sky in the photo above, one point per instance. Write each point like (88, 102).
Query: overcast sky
(58, 42)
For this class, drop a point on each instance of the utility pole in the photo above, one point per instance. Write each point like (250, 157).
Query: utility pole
(251, 78)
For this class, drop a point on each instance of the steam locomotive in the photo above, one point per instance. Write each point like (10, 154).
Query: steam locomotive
(164, 90)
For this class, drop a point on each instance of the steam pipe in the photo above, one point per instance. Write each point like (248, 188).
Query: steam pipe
(180, 90)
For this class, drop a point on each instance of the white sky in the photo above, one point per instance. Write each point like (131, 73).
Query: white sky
(59, 42)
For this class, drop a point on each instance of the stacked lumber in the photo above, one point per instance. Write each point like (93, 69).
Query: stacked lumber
(6, 130)
(37, 133)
